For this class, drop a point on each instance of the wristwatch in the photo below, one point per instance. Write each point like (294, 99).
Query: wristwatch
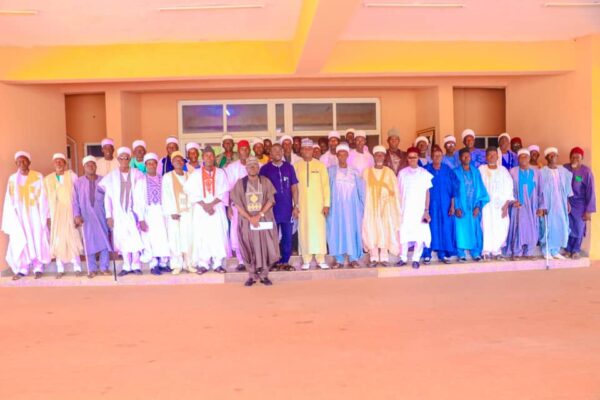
(262, 214)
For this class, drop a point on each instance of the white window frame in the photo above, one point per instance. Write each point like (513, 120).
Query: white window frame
(271, 132)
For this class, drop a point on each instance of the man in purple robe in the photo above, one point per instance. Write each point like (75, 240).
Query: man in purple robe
(88, 210)
(583, 201)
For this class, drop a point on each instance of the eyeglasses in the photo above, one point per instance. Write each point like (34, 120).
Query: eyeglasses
(413, 158)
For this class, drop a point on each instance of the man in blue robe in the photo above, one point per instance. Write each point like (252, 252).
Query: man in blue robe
(441, 209)
(451, 156)
(477, 155)
(344, 223)
(470, 199)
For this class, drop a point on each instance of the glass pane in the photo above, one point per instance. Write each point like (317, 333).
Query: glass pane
(279, 118)
(480, 143)
(492, 141)
(313, 117)
(356, 115)
(202, 118)
(246, 117)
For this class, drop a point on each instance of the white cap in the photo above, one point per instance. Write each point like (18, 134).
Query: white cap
(138, 143)
(192, 145)
(22, 154)
(534, 147)
(306, 142)
(379, 149)
(449, 138)
(107, 142)
(421, 139)
(360, 134)
(316, 146)
(523, 151)
(123, 150)
(87, 159)
(226, 137)
(256, 141)
(150, 156)
(342, 147)
(172, 139)
(60, 156)
(467, 132)
(506, 135)
(333, 134)
(284, 138)
(550, 150)
(351, 130)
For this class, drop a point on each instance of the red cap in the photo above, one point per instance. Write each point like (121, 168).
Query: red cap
(243, 143)
(516, 140)
(412, 150)
(576, 150)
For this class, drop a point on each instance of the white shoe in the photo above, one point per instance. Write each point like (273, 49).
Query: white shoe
(153, 263)
(324, 266)
(306, 266)
(558, 257)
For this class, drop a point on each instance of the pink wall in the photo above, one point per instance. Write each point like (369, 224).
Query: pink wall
(483, 110)
(85, 118)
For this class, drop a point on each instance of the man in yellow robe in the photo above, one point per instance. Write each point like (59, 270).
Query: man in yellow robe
(381, 221)
(313, 189)
(65, 240)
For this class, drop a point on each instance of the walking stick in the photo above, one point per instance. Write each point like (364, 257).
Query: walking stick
(546, 240)
(112, 240)
(87, 261)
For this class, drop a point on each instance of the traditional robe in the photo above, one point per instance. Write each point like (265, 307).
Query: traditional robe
(259, 248)
(583, 201)
(451, 161)
(65, 240)
(105, 167)
(156, 243)
(175, 201)
(314, 194)
(395, 160)
(140, 165)
(361, 161)
(382, 218)
(471, 194)
(344, 223)
(556, 185)
(413, 184)
(223, 161)
(88, 203)
(292, 159)
(477, 157)
(24, 221)
(165, 165)
(126, 207)
(523, 230)
(499, 186)
(235, 171)
(329, 159)
(210, 231)
(443, 190)
(423, 161)
(509, 159)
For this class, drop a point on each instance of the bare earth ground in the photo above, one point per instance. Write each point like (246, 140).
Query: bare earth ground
(513, 335)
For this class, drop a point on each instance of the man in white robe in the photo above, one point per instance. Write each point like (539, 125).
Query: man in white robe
(360, 158)
(24, 220)
(494, 215)
(235, 171)
(156, 244)
(125, 203)
(177, 210)
(330, 157)
(108, 162)
(206, 189)
(414, 183)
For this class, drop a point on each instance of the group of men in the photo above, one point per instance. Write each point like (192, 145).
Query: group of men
(189, 212)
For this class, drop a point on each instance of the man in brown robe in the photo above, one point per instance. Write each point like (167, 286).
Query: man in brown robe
(254, 197)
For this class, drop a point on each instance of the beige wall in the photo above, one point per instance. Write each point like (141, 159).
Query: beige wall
(480, 109)
(32, 119)
(85, 119)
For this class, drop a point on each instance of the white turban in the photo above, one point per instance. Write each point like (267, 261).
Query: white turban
(450, 138)
(107, 142)
(150, 156)
(534, 147)
(467, 132)
(421, 139)
(523, 151)
(333, 134)
(362, 134)
(123, 150)
(60, 156)
(172, 139)
(550, 150)
(192, 145)
(379, 149)
(351, 130)
(316, 146)
(22, 154)
(87, 159)
(138, 143)
(506, 135)
(226, 137)
(284, 138)
(342, 147)
(256, 141)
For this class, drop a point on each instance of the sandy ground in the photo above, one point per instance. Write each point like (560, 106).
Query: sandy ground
(516, 335)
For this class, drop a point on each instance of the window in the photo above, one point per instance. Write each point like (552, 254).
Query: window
(312, 117)
(93, 149)
(279, 118)
(246, 118)
(202, 118)
(361, 116)
(483, 142)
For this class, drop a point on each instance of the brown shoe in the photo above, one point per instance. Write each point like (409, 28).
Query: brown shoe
(38, 275)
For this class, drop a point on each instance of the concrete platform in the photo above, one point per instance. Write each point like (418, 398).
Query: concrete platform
(48, 280)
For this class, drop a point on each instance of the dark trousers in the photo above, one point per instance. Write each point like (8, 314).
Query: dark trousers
(285, 244)
(574, 244)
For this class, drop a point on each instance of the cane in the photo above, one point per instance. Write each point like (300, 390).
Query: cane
(112, 240)
(87, 261)
(546, 240)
